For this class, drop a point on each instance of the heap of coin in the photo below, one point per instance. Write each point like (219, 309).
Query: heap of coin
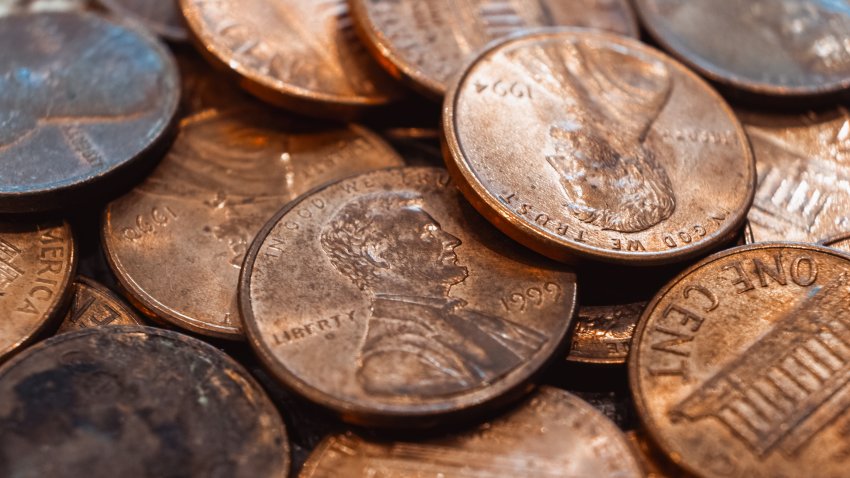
(578, 267)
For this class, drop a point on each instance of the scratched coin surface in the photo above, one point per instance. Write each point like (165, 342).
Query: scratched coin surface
(94, 305)
(176, 242)
(299, 54)
(428, 42)
(135, 401)
(740, 367)
(766, 47)
(603, 333)
(842, 243)
(37, 264)
(82, 100)
(552, 434)
(429, 312)
(162, 17)
(8, 7)
(587, 145)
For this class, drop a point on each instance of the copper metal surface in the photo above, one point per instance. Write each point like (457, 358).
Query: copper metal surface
(162, 17)
(93, 305)
(603, 334)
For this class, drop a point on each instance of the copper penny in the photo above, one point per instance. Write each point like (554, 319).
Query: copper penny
(82, 100)
(428, 311)
(37, 264)
(654, 463)
(162, 17)
(587, 145)
(427, 42)
(135, 401)
(603, 334)
(203, 88)
(740, 367)
(842, 243)
(94, 305)
(299, 54)
(8, 7)
(176, 242)
(552, 434)
(766, 47)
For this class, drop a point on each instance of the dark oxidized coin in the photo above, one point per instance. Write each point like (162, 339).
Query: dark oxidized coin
(159, 16)
(603, 334)
(81, 101)
(135, 401)
(94, 305)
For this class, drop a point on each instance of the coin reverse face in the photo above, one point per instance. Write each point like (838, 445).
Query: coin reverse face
(739, 367)
(428, 311)
(94, 305)
(159, 16)
(586, 145)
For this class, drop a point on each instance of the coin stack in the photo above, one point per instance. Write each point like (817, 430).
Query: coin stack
(243, 239)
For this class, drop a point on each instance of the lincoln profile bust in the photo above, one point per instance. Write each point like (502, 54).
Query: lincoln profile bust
(419, 340)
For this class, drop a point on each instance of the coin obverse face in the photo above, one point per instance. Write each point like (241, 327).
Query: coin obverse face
(94, 305)
(586, 145)
(407, 308)
(740, 367)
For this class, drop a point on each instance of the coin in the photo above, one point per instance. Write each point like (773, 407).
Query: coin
(739, 367)
(603, 334)
(135, 401)
(176, 242)
(552, 434)
(766, 47)
(842, 243)
(427, 43)
(587, 145)
(8, 7)
(161, 16)
(82, 100)
(429, 312)
(37, 263)
(96, 306)
(803, 191)
(298, 54)
(202, 88)
(654, 463)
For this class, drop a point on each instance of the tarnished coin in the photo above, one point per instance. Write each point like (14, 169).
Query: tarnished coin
(94, 305)
(8, 7)
(803, 164)
(135, 401)
(37, 264)
(553, 434)
(603, 334)
(299, 54)
(428, 311)
(427, 42)
(586, 145)
(176, 242)
(740, 367)
(162, 17)
(82, 100)
(767, 47)
(654, 463)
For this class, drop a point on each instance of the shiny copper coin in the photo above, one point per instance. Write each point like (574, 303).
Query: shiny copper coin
(81, 102)
(37, 264)
(428, 42)
(162, 17)
(552, 434)
(8, 7)
(766, 47)
(135, 401)
(94, 305)
(428, 311)
(176, 242)
(583, 144)
(740, 367)
(299, 54)
(603, 334)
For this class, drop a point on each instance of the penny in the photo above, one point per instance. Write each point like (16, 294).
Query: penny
(203, 88)
(427, 43)
(552, 434)
(654, 463)
(586, 145)
(429, 312)
(8, 7)
(176, 242)
(740, 365)
(37, 264)
(162, 17)
(83, 102)
(299, 54)
(842, 243)
(767, 47)
(603, 334)
(135, 401)
(94, 305)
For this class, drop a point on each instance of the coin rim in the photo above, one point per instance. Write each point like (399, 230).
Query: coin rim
(618, 361)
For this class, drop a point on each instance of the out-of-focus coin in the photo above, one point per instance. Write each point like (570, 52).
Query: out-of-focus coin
(654, 463)
(94, 305)
(741, 365)
(203, 88)
(8, 7)
(427, 42)
(176, 242)
(299, 54)
(159, 16)
(552, 434)
(803, 164)
(766, 47)
(135, 401)
(587, 145)
(603, 334)
(37, 264)
(429, 311)
(83, 101)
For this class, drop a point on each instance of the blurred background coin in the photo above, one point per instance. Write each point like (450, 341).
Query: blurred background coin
(93, 305)
(162, 17)
(603, 333)
(22, 6)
